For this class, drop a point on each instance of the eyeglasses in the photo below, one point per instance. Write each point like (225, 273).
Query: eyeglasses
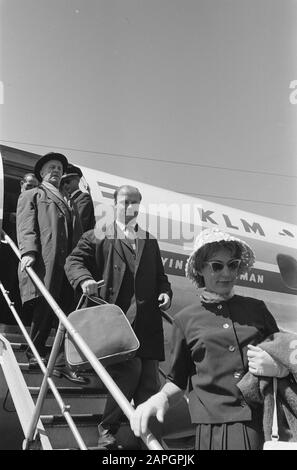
(218, 266)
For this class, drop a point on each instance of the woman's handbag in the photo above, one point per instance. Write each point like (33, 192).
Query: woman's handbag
(275, 443)
(106, 331)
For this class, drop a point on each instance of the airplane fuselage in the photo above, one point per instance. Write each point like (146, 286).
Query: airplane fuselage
(176, 219)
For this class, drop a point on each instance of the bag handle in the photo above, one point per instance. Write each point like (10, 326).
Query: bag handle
(93, 298)
(274, 434)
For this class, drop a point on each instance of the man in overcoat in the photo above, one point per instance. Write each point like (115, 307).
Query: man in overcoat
(81, 200)
(47, 231)
(129, 261)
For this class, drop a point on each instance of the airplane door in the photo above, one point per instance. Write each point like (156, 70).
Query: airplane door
(288, 270)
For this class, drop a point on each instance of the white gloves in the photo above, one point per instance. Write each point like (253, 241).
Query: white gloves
(157, 405)
(261, 363)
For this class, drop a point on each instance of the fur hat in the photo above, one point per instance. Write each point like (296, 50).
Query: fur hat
(214, 235)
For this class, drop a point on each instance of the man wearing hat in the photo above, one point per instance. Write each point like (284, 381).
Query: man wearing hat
(76, 198)
(46, 232)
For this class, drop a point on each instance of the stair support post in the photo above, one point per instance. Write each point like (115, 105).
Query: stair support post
(44, 385)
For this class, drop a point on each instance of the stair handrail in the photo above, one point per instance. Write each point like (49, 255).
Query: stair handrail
(148, 438)
(47, 378)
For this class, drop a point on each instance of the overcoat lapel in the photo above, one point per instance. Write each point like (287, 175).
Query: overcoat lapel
(61, 205)
(141, 240)
(112, 236)
(115, 236)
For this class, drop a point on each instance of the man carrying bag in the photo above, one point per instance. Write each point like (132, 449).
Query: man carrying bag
(129, 261)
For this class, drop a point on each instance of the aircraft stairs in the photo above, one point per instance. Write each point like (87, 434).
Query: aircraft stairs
(85, 403)
(55, 413)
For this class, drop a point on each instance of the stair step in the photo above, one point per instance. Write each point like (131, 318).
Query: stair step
(20, 349)
(17, 346)
(11, 330)
(80, 401)
(14, 335)
(62, 438)
(186, 443)
(34, 378)
(89, 448)
(84, 419)
(79, 391)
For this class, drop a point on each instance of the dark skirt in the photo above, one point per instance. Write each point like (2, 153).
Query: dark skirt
(230, 436)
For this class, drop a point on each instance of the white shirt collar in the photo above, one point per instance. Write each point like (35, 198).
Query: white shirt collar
(128, 230)
(123, 227)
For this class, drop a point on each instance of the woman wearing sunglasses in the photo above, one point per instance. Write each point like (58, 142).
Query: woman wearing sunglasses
(214, 345)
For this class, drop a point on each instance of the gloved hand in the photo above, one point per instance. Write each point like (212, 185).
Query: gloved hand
(157, 405)
(261, 363)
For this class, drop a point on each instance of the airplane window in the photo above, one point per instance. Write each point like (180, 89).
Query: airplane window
(288, 270)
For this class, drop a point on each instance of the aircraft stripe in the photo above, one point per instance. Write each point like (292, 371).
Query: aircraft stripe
(166, 230)
(174, 264)
(107, 186)
(267, 266)
(107, 195)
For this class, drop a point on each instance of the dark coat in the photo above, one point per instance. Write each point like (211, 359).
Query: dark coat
(41, 229)
(104, 259)
(210, 355)
(85, 209)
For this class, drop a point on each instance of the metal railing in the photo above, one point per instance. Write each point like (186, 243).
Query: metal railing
(148, 438)
(47, 378)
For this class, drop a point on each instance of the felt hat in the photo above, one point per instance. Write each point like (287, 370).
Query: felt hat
(46, 158)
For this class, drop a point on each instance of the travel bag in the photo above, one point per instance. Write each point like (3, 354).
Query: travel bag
(106, 330)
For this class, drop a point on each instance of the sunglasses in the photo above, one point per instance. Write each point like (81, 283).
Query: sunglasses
(218, 266)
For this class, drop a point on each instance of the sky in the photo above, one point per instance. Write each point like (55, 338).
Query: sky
(188, 95)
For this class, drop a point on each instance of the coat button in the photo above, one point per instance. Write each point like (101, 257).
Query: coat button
(226, 325)
(231, 348)
(219, 307)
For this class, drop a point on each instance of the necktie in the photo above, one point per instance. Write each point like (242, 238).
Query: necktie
(131, 236)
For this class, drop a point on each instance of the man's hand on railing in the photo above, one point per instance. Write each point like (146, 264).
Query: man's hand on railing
(89, 287)
(157, 406)
(27, 261)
